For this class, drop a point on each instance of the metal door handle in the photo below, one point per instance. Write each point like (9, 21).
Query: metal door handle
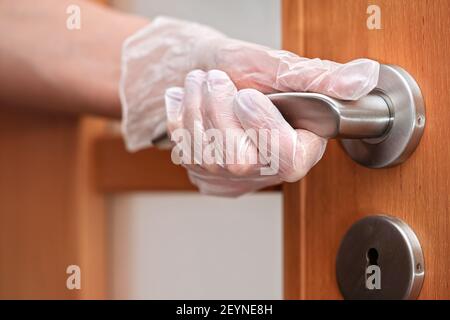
(368, 117)
(379, 130)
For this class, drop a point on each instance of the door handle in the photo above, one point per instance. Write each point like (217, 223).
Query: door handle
(368, 117)
(381, 129)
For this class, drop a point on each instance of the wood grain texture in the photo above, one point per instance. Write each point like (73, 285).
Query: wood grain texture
(293, 250)
(415, 34)
(50, 214)
(293, 193)
(118, 170)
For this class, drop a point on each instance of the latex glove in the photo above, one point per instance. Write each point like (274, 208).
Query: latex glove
(211, 101)
(160, 55)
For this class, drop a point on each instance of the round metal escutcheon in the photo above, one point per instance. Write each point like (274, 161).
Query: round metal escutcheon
(407, 111)
(380, 258)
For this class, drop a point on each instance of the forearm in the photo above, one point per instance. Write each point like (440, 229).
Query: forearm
(44, 65)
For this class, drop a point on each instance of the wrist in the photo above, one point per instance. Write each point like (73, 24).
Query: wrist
(154, 59)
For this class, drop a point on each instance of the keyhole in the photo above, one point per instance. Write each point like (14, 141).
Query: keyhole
(372, 257)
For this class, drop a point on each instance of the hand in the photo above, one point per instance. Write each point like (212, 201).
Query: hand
(160, 55)
(211, 101)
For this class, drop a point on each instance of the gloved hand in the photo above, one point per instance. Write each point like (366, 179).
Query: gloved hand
(211, 102)
(160, 55)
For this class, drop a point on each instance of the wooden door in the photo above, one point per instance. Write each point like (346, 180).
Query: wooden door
(52, 214)
(415, 34)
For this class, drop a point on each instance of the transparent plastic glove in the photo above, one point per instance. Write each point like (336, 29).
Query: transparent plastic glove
(160, 55)
(211, 101)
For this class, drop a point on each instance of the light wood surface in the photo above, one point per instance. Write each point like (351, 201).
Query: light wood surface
(117, 170)
(50, 214)
(415, 35)
(148, 170)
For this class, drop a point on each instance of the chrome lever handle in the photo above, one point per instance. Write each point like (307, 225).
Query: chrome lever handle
(368, 117)
(379, 130)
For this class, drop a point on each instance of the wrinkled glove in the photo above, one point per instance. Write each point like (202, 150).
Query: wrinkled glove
(210, 101)
(161, 55)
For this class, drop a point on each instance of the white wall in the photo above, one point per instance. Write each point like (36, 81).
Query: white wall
(252, 20)
(188, 246)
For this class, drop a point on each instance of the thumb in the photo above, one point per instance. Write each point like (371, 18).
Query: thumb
(267, 70)
(349, 81)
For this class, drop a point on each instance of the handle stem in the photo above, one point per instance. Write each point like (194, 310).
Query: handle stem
(368, 117)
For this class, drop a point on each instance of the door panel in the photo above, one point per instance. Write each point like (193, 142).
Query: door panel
(51, 215)
(337, 192)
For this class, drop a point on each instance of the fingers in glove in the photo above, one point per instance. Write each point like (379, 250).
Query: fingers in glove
(296, 151)
(230, 186)
(349, 81)
(267, 70)
(218, 97)
(174, 103)
(192, 115)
